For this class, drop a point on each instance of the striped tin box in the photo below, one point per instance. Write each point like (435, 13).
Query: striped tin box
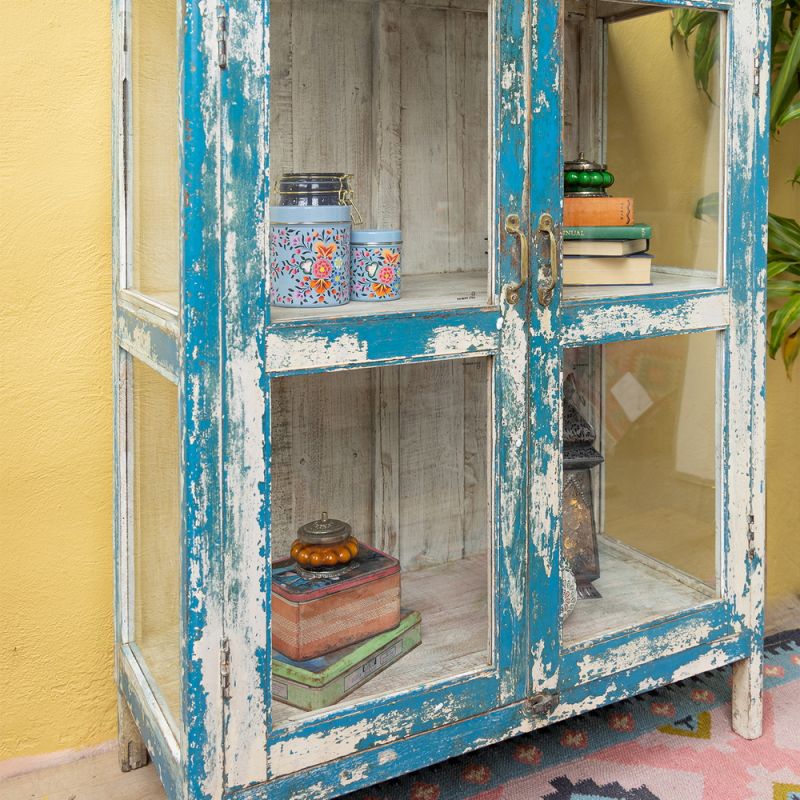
(314, 616)
(320, 682)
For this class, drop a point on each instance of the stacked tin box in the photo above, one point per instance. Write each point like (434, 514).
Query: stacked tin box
(336, 616)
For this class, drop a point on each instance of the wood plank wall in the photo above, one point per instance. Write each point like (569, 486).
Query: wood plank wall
(397, 94)
(401, 453)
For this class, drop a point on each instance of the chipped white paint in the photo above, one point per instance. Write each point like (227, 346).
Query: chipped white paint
(306, 348)
(290, 353)
(304, 750)
(640, 650)
(509, 76)
(347, 777)
(514, 349)
(245, 630)
(456, 340)
(639, 319)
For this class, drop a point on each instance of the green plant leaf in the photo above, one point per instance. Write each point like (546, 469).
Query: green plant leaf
(792, 113)
(776, 289)
(707, 206)
(784, 236)
(684, 21)
(777, 267)
(784, 86)
(782, 322)
(705, 51)
(790, 350)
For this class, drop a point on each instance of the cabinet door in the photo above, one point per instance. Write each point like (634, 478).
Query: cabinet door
(407, 418)
(647, 445)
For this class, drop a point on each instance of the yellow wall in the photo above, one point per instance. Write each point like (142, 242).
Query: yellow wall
(56, 653)
(662, 143)
(56, 656)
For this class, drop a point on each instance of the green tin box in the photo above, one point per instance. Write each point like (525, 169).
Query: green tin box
(323, 681)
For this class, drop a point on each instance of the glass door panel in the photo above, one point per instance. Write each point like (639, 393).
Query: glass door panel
(640, 480)
(401, 454)
(396, 95)
(648, 108)
(154, 487)
(152, 153)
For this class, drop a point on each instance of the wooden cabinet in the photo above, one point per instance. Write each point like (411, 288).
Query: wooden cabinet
(434, 424)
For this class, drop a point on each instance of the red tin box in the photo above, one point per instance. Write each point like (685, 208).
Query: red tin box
(313, 616)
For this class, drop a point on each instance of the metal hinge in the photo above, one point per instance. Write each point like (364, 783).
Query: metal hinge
(757, 76)
(225, 669)
(543, 703)
(751, 537)
(222, 37)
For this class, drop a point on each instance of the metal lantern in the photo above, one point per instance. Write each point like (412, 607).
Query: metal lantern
(579, 534)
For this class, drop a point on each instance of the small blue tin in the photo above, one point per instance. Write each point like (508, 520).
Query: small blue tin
(309, 255)
(375, 265)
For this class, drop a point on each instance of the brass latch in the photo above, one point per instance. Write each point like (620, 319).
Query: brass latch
(542, 704)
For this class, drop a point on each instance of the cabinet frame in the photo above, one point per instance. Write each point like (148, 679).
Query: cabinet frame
(221, 349)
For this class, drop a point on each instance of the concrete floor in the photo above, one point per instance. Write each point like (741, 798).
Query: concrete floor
(97, 777)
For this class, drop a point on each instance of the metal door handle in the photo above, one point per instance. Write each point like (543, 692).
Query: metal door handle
(549, 265)
(512, 289)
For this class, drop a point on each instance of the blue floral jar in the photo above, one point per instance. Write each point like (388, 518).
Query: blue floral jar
(309, 255)
(375, 265)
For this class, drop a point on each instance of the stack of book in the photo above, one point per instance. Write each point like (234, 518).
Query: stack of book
(602, 244)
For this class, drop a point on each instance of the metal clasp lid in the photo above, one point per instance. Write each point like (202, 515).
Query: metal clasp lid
(346, 199)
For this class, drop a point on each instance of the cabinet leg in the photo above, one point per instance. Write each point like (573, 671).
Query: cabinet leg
(132, 750)
(747, 703)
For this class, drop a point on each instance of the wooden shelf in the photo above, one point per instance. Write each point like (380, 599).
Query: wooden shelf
(452, 599)
(634, 590)
(432, 292)
(665, 281)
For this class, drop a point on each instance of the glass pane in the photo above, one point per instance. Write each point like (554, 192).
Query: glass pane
(400, 455)
(634, 107)
(154, 161)
(640, 479)
(394, 94)
(156, 529)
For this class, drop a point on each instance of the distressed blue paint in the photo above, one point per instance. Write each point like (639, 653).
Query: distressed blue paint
(648, 642)
(244, 166)
(380, 340)
(387, 760)
(408, 714)
(168, 769)
(546, 157)
(672, 313)
(746, 207)
(151, 343)
(511, 114)
(200, 406)
(651, 675)
(225, 316)
(719, 5)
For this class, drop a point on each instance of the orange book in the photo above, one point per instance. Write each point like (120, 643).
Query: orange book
(580, 211)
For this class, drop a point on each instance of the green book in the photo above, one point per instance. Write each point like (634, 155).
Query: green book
(323, 681)
(609, 232)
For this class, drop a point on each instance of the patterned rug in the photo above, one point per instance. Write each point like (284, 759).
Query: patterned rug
(674, 743)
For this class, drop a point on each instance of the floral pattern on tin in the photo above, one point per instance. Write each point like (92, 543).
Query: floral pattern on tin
(309, 265)
(375, 272)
